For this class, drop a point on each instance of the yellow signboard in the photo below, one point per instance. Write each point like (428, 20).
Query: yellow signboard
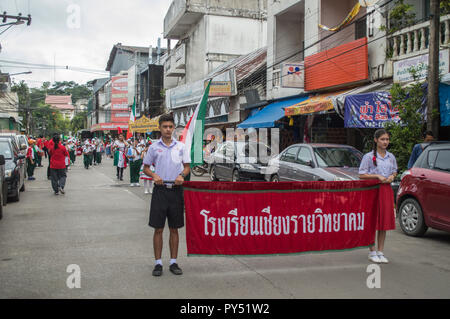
(144, 125)
(219, 88)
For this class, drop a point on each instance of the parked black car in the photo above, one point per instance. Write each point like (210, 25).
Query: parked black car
(14, 167)
(238, 161)
(3, 186)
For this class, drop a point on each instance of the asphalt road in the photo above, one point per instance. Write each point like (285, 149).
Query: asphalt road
(101, 226)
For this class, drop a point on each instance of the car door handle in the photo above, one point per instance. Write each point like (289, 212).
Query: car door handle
(422, 177)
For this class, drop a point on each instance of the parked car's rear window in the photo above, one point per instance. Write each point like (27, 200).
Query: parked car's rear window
(431, 159)
(443, 161)
(5, 150)
(337, 157)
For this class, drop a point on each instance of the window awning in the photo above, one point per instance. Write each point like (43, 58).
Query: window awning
(271, 113)
(380, 86)
(318, 103)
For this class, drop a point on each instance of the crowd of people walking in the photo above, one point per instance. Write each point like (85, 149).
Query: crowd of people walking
(62, 154)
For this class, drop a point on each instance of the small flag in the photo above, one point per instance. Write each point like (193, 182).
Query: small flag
(193, 132)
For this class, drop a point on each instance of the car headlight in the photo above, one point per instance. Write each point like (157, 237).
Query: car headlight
(247, 166)
(341, 179)
(405, 173)
(8, 173)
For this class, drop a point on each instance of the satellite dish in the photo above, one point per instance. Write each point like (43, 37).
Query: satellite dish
(367, 3)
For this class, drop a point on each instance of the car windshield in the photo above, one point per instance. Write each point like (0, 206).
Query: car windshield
(5, 150)
(337, 157)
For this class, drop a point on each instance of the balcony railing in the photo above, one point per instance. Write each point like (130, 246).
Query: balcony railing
(180, 57)
(170, 67)
(414, 40)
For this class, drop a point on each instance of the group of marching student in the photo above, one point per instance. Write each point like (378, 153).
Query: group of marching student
(131, 152)
(92, 151)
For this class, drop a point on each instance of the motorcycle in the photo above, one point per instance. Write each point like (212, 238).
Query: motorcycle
(199, 170)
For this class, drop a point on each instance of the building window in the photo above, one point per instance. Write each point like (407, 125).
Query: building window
(361, 28)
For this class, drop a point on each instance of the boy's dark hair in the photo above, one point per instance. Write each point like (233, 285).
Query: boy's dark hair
(429, 133)
(166, 118)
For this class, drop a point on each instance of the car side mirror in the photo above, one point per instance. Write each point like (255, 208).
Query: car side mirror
(2, 160)
(311, 163)
(23, 147)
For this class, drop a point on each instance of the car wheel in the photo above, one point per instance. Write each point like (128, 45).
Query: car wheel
(235, 177)
(16, 197)
(411, 218)
(275, 178)
(212, 174)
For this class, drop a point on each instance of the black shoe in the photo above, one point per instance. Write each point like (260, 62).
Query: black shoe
(175, 269)
(56, 193)
(157, 271)
(62, 190)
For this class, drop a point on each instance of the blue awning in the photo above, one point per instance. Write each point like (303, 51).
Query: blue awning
(271, 113)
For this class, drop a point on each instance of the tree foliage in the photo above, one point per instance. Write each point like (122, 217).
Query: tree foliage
(408, 132)
(44, 119)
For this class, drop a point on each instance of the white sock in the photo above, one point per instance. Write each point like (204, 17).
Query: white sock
(158, 262)
(173, 261)
(373, 253)
(380, 253)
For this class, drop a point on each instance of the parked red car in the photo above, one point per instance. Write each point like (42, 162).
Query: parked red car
(423, 198)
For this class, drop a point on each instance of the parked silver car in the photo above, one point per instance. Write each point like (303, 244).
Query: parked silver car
(314, 162)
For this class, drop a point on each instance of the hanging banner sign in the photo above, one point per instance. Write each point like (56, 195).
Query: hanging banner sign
(369, 110)
(280, 218)
(350, 17)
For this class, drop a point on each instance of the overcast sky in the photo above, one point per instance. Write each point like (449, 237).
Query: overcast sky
(55, 38)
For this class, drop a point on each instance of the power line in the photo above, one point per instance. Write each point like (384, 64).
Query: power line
(326, 37)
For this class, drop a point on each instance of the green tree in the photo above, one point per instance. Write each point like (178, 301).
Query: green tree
(79, 121)
(408, 132)
(71, 88)
(43, 119)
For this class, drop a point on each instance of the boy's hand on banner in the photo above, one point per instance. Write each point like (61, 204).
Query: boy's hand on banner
(158, 180)
(179, 180)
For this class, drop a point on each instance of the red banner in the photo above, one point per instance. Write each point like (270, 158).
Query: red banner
(226, 218)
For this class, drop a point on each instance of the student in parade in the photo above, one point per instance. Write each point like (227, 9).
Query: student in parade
(31, 160)
(119, 149)
(48, 146)
(134, 157)
(98, 151)
(72, 154)
(66, 145)
(418, 148)
(44, 146)
(148, 182)
(94, 151)
(58, 154)
(39, 148)
(171, 167)
(382, 165)
(87, 154)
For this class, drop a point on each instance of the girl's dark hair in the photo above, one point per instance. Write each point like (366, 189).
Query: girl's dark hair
(56, 141)
(378, 133)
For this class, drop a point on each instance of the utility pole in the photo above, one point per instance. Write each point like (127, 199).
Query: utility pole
(433, 69)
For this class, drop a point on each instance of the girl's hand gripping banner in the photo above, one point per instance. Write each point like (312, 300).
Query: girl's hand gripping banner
(226, 218)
